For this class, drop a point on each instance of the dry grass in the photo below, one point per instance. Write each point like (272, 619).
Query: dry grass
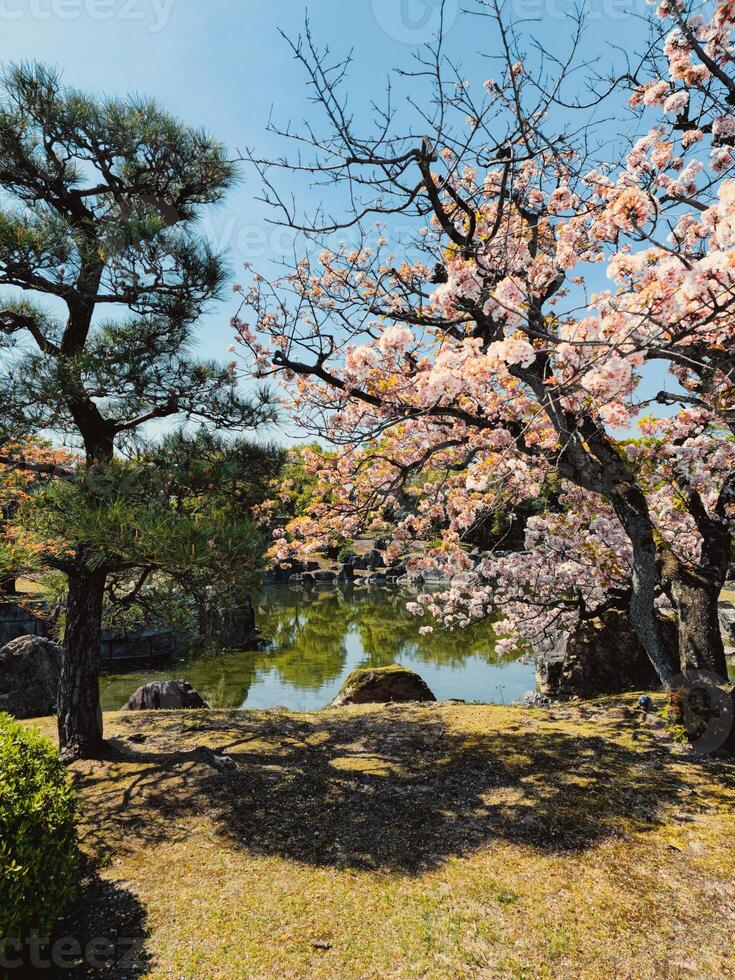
(440, 841)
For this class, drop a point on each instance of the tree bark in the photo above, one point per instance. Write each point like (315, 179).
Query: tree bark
(631, 507)
(695, 591)
(696, 599)
(80, 716)
(79, 711)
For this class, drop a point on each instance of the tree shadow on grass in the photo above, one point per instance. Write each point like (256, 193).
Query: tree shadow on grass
(388, 790)
(102, 934)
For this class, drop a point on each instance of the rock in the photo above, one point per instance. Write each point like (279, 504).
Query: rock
(727, 621)
(224, 762)
(281, 574)
(604, 656)
(382, 685)
(346, 571)
(30, 668)
(532, 699)
(646, 704)
(165, 695)
(296, 580)
(375, 559)
(325, 576)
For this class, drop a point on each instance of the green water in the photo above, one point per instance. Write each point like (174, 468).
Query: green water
(315, 639)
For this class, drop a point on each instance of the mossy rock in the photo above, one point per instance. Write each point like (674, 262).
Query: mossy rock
(382, 685)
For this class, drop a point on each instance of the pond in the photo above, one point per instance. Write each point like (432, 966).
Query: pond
(313, 640)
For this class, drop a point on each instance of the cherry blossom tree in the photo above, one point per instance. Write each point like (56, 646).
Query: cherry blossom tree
(462, 349)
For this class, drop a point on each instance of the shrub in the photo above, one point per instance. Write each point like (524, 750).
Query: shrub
(38, 843)
(346, 554)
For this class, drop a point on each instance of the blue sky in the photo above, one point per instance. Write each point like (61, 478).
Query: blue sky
(222, 64)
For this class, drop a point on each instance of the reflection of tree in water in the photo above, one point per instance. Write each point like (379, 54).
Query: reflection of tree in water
(388, 631)
(307, 634)
(223, 681)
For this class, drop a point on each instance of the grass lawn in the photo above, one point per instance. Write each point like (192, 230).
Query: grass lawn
(441, 841)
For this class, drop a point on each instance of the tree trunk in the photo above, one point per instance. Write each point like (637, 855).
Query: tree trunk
(700, 638)
(7, 585)
(630, 506)
(80, 716)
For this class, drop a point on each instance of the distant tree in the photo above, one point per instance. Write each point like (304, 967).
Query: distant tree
(17, 484)
(100, 200)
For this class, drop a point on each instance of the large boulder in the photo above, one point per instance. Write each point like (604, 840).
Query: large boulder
(30, 668)
(603, 656)
(382, 685)
(165, 695)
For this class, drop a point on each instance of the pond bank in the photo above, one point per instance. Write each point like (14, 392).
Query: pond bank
(441, 840)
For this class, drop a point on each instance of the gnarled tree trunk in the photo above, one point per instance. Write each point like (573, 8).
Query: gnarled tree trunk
(632, 509)
(79, 713)
(700, 640)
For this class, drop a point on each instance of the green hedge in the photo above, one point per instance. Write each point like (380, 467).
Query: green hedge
(38, 842)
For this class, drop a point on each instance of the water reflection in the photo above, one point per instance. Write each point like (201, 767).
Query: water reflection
(315, 639)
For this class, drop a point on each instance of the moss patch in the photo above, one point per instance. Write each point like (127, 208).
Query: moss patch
(440, 840)
(383, 685)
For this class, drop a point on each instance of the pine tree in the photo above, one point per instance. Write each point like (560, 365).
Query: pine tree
(99, 203)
